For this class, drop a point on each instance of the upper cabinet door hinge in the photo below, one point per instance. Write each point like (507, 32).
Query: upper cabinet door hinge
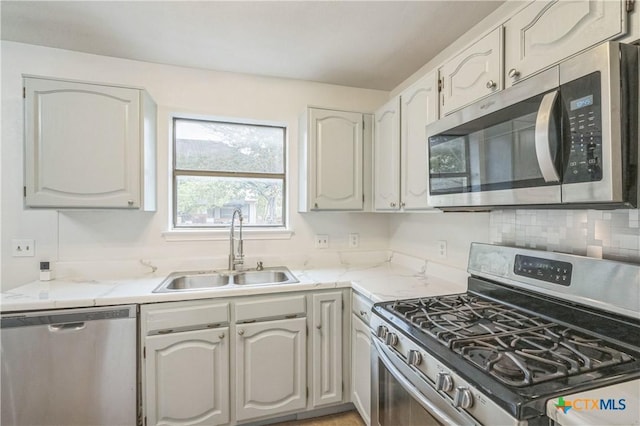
(24, 191)
(630, 5)
(144, 352)
(440, 85)
(24, 92)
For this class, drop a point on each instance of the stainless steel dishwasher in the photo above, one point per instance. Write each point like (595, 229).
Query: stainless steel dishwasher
(69, 367)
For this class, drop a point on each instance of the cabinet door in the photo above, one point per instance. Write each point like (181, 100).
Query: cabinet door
(82, 145)
(336, 149)
(270, 368)
(361, 368)
(187, 378)
(546, 32)
(326, 348)
(473, 74)
(386, 156)
(419, 105)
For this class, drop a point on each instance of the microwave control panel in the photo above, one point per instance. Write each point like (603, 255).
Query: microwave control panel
(582, 105)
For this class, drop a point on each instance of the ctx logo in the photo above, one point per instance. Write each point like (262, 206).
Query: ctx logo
(584, 404)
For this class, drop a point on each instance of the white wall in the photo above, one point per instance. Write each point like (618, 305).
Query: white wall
(130, 235)
(417, 234)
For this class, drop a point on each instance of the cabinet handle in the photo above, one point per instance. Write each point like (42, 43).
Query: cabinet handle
(491, 84)
(319, 326)
(130, 202)
(165, 331)
(315, 205)
(363, 313)
(221, 335)
(402, 204)
(392, 204)
(241, 332)
(514, 73)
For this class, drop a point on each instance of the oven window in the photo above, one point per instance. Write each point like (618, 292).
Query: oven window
(396, 406)
(491, 153)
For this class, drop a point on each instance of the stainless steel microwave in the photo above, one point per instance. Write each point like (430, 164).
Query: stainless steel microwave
(567, 136)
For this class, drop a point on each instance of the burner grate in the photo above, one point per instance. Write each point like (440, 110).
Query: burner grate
(516, 348)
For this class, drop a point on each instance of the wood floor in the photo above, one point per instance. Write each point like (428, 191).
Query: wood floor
(348, 418)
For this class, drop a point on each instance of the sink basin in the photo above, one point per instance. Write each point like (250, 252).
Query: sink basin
(268, 275)
(205, 280)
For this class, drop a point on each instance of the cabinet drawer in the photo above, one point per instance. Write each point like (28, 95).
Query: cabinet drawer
(180, 316)
(361, 307)
(270, 307)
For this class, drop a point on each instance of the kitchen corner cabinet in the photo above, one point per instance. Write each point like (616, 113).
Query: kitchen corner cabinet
(88, 145)
(400, 150)
(474, 73)
(332, 149)
(186, 363)
(326, 348)
(361, 356)
(544, 33)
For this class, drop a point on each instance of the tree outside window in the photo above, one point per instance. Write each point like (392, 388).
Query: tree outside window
(220, 166)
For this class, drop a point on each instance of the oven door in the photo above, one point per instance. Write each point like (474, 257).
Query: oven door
(401, 397)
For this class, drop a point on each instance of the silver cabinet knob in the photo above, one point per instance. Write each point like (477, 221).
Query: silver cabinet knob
(221, 336)
(363, 313)
(315, 205)
(402, 204)
(392, 204)
(391, 339)
(463, 398)
(130, 202)
(241, 332)
(319, 326)
(414, 358)
(491, 84)
(514, 73)
(444, 382)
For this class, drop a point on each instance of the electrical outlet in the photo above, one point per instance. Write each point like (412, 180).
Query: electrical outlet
(354, 240)
(442, 249)
(322, 241)
(23, 248)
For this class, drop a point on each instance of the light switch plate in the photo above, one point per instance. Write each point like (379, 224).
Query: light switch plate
(23, 248)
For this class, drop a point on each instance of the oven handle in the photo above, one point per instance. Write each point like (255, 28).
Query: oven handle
(542, 141)
(410, 388)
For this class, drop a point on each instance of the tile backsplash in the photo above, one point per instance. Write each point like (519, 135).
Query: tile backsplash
(610, 234)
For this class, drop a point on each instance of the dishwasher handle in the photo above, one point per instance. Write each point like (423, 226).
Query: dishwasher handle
(70, 326)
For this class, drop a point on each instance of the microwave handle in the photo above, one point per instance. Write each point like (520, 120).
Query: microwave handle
(542, 144)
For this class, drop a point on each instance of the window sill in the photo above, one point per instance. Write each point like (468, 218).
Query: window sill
(223, 234)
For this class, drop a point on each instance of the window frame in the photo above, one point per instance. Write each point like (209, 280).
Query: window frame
(258, 230)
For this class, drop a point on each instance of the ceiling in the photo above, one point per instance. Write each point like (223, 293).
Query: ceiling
(368, 44)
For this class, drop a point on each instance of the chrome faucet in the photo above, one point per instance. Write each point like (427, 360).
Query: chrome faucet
(236, 259)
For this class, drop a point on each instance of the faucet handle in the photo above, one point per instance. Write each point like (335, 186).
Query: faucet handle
(259, 267)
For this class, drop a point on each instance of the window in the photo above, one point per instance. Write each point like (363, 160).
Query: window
(221, 166)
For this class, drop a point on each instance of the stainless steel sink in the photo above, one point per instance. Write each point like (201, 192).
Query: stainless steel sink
(205, 280)
(268, 275)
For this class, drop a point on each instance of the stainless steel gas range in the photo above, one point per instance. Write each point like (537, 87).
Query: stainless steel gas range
(533, 326)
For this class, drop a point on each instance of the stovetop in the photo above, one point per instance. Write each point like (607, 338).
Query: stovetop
(515, 347)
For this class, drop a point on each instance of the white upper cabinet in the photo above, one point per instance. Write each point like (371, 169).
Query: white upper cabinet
(386, 156)
(400, 147)
(419, 107)
(546, 32)
(472, 74)
(331, 160)
(88, 146)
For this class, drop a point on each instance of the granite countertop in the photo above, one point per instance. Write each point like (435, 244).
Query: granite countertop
(379, 280)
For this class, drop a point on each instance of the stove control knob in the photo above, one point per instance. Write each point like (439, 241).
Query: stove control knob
(391, 339)
(382, 331)
(463, 398)
(444, 382)
(414, 358)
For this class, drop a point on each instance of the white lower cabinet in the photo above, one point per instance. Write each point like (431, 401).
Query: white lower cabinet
(187, 378)
(270, 368)
(361, 368)
(326, 348)
(242, 359)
